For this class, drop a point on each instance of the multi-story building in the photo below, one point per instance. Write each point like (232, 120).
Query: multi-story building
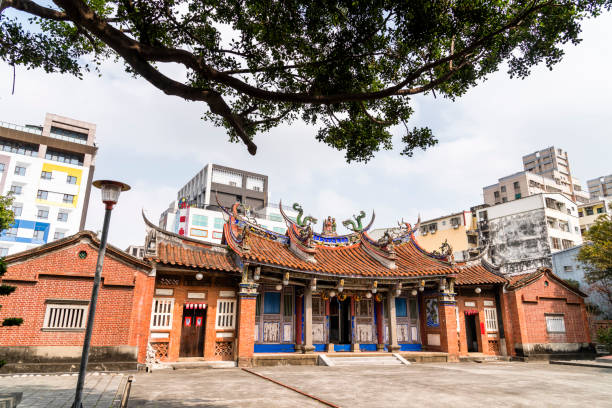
(229, 184)
(523, 233)
(589, 212)
(48, 169)
(600, 186)
(206, 224)
(525, 183)
(136, 251)
(457, 229)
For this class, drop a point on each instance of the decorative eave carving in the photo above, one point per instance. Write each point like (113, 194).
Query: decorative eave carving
(302, 245)
(383, 253)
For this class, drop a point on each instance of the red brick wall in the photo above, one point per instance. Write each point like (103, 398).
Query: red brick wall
(62, 274)
(210, 332)
(529, 305)
(484, 346)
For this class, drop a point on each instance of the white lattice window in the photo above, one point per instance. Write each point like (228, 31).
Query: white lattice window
(555, 324)
(490, 319)
(161, 315)
(66, 316)
(226, 313)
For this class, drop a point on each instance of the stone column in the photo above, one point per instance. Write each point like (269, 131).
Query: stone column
(246, 320)
(393, 347)
(308, 346)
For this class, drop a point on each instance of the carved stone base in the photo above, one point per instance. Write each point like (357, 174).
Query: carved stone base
(308, 349)
(393, 348)
(355, 348)
(298, 348)
(330, 348)
(380, 347)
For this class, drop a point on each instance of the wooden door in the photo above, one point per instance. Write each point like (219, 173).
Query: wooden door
(192, 333)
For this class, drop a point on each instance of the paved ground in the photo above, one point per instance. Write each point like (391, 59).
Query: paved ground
(457, 385)
(55, 391)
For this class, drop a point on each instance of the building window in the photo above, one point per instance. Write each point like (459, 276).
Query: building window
(46, 175)
(68, 198)
(516, 185)
(39, 235)
(589, 210)
(288, 305)
(517, 196)
(18, 147)
(11, 232)
(567, 243)
(555, 243)
(161, 315)
(401, 307)
(219, 223)
(16, 190)
(364, 308)
(318, 306)
(71, 180)
(20, 171)
(272, 302)
(503, 189)
(496, 194)
(200, 220)
(580, 213)
(599, 210)
(490, 319)
(568, 268)
(279, 230)
(3, 252)
(59, 235)
(555, 324)
(275, 217)
(226, 311)
(42, 194)
(17, 209)
(62, 216)
(42, 214)
(2, 166)
(66, 316)
(504, 200)
(64, 157)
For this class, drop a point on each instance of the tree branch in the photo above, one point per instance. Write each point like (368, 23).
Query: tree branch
(33, 8)
(372, 118)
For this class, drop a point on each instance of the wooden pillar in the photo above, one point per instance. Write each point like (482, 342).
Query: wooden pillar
(380, 325)
(298, 322)
(308, 346)
(393, 347)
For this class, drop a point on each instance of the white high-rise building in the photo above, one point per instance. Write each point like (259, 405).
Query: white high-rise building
(48, 169)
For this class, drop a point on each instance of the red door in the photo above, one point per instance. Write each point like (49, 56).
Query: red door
(192, 333)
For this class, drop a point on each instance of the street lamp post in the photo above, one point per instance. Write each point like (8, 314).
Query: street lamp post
(110, 195)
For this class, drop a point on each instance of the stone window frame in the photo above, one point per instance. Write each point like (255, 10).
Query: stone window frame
(66, 315)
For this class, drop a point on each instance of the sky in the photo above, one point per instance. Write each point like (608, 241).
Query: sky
(156, 143)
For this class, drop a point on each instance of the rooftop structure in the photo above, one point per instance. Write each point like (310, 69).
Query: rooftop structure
(48, 169)
(600, 187)
(229, 184)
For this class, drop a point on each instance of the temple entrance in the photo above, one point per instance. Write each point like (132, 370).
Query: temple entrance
(340, 321)
(192, 332)
(471, 333)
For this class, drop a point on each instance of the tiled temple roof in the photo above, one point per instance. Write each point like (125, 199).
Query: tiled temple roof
(195, 257)
(519, 281)
(352, 260)
(478, 275)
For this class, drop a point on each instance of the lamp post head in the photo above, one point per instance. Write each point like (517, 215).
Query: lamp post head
(110, 191)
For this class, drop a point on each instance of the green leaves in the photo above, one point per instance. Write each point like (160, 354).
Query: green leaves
(347, 66)
(596, 254)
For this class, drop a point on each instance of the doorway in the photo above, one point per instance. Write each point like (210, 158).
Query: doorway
(471, 333)
(340, 321)
(192, 332)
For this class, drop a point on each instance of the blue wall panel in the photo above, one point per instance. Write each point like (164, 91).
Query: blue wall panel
(274, 348)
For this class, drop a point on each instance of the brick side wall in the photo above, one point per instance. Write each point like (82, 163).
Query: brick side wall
(61, 274)
(246, 330)
(486, 344)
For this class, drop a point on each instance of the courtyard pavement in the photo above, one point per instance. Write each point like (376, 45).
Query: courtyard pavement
(423, 385)
(57, 391)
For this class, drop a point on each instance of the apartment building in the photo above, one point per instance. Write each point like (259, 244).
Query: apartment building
(589, 212)
(600, 186)
(523, 233)
(48, 169)
(229, 184)
(553, 163)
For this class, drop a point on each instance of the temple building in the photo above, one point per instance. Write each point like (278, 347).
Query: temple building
(260, 293)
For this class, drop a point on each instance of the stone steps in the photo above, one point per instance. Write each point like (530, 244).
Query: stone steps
(188, 365)
(482, 358)
(383, 360)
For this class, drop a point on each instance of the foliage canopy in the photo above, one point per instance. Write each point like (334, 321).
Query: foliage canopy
(348, 66)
